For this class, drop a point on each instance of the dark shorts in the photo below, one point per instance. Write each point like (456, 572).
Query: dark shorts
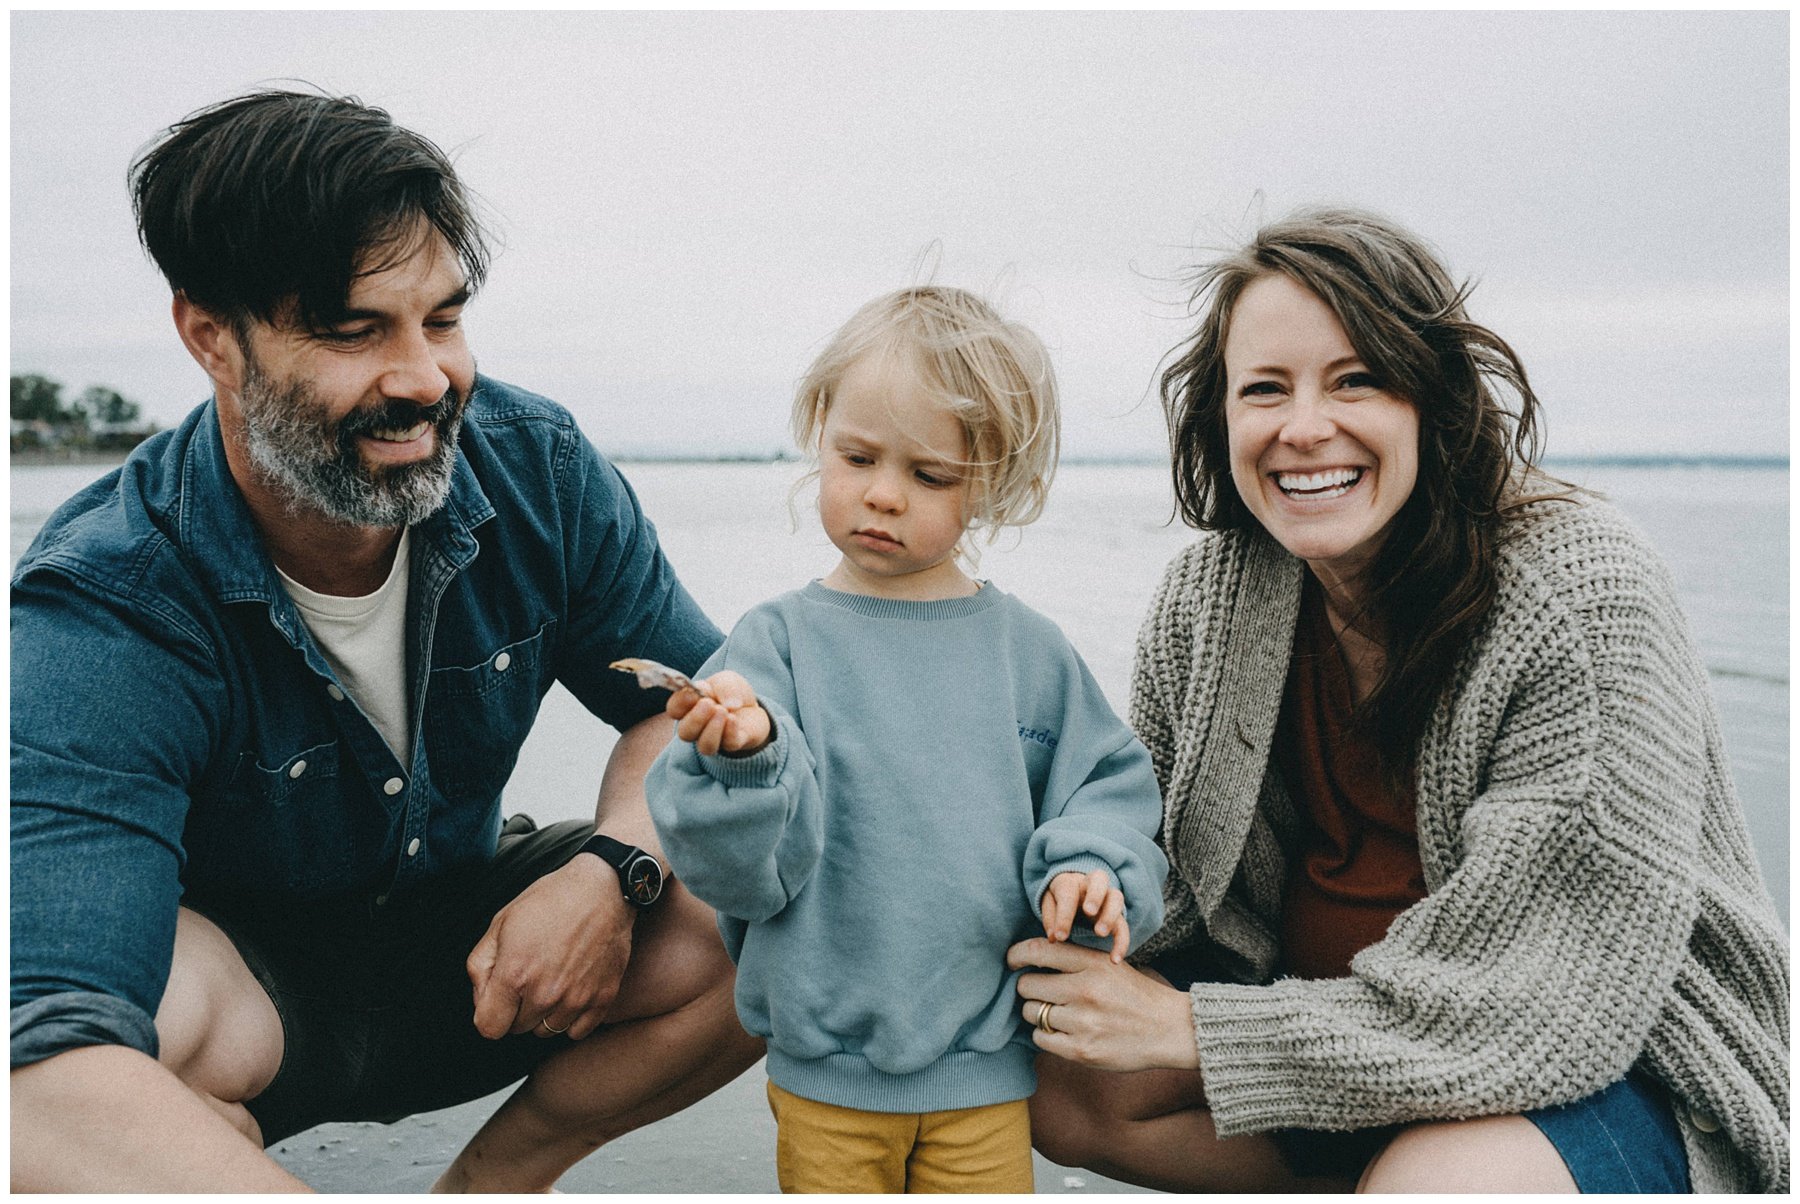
(377, 1011)
(1623, 1138)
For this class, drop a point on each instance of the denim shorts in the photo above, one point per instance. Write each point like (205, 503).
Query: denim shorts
(1623, 1138)
(377, 1011)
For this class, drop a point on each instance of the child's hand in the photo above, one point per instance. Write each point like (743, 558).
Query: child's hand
(1071, 896)
(730, 721)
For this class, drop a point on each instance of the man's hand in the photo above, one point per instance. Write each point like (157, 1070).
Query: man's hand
(553, 957)
(730, 721)
(1072, 895)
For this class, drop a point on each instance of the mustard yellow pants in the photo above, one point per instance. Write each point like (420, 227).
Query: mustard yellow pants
(825, 1148)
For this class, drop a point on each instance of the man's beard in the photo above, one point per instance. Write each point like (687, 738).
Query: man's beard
(314, 464)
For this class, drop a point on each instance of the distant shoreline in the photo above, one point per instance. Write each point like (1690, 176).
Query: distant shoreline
(56, 459)
(1609, 461)
(1668, 461)
(47, 459)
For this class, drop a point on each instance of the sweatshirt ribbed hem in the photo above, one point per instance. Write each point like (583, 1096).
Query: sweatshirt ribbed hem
(892, 608)
(959, 1079)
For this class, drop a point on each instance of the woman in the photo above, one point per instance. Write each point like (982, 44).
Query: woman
(1461, 893)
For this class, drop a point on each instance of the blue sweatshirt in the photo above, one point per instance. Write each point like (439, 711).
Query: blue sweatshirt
(935, 765)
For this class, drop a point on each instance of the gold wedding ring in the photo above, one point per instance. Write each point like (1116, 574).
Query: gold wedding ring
(1043, 1017)
(545, 1024)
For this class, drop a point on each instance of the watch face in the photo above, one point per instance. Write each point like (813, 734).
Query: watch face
(643, 880)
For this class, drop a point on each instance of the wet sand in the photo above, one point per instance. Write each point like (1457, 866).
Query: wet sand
(723, 1144)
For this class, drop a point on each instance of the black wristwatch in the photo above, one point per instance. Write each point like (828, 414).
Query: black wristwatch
(640, 874)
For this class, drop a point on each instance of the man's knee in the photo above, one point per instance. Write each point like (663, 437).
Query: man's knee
(216, 1027)
(677, 959)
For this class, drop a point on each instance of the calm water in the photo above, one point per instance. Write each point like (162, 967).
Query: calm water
(1093, 560)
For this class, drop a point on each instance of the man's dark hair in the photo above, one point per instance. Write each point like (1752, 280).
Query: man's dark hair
(271, 205)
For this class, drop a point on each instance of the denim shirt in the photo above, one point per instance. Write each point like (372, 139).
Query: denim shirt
(177, 732)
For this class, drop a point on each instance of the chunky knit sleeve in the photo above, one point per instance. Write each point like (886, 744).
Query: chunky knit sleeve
(1159, 669)
(1560, 799)
(1158, 682)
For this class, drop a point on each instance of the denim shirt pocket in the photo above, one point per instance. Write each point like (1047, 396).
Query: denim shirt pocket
(477, 717)
(286, 826)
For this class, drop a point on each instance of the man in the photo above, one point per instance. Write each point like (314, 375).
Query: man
(268, 681)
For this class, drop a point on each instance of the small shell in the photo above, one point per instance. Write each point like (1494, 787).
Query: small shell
(654, 676)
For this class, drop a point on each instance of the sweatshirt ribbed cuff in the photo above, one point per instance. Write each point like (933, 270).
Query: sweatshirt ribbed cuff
(762, 767)
(1085, 864)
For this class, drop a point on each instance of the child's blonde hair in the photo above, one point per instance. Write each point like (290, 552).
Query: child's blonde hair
(994, 376)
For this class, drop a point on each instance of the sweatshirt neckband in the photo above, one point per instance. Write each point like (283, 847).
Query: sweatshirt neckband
(892, 608)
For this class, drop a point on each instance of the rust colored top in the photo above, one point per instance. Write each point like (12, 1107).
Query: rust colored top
(1358, 865)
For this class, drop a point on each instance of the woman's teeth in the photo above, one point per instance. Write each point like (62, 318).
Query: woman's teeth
(1313, 485)
(401, 435)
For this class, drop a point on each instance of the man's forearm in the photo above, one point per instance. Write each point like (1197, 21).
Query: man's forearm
(105, 1118)
(621, 812)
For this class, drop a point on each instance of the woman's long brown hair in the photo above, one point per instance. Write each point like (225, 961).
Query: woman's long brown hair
(1433, 582)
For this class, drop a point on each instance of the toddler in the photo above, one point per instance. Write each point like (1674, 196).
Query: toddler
(899, 770)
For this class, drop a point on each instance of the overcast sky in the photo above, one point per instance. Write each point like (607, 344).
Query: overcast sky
(691, 203)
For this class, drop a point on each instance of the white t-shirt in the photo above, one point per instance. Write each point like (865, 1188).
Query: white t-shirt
(364, 641)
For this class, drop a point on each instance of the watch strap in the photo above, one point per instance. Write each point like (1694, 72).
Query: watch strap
(615, 853)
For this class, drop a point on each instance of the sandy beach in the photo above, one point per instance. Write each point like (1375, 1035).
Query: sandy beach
(723, 1144)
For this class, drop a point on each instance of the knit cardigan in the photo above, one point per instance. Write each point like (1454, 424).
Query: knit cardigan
(1593, 903)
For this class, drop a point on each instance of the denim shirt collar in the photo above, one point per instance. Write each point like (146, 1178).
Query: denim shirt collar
(215, 527)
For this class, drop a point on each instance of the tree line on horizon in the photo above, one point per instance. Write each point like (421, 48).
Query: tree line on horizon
(98, 419)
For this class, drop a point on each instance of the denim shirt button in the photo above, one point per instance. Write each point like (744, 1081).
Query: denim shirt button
(299, 767)
(412, 849)
(337, 695)
(393, 786)
(502, 661)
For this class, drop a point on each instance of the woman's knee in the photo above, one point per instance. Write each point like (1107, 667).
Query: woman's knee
(678, 959)
(1487, 1154)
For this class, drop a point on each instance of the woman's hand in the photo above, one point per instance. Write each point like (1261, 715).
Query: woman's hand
(1092, 895)
(730, 721)
(1103, 1014)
